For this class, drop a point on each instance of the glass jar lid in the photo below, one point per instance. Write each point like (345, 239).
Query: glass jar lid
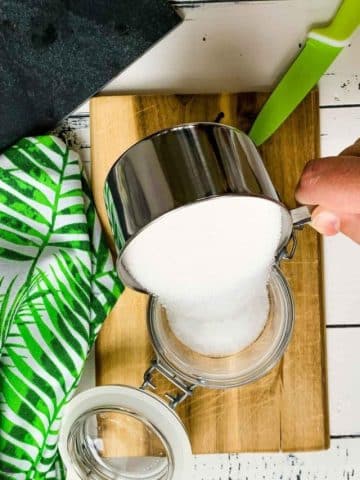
(123, 433)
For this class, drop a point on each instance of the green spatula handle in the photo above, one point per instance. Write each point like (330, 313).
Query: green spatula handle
(343, 25)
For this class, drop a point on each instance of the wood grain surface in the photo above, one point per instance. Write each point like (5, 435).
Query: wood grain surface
(287, 409)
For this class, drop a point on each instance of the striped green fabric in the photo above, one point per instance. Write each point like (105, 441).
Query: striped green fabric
(57, 284)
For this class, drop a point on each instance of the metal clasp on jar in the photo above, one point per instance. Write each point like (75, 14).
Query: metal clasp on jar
(185, 389)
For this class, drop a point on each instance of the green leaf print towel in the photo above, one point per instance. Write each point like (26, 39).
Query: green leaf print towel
(57, 284)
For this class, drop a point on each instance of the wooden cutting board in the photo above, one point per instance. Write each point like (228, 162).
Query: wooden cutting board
(287, 410)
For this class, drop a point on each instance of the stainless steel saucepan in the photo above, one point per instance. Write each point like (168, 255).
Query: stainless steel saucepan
(176, 167)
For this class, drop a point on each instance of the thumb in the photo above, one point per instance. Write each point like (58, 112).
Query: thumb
(330, 223)
(325, 221)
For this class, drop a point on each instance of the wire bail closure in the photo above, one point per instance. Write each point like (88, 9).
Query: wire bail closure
(185, 389)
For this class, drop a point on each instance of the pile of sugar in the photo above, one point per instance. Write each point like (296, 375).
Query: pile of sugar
(209, 265)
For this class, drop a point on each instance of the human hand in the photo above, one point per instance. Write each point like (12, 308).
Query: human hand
(332, 184)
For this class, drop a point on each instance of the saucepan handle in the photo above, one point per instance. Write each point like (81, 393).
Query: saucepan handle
(301, 216)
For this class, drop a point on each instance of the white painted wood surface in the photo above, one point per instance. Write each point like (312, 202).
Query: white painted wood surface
(239, 47)
(344, 381)
(339, 128)
(341, 462)
(185, 62)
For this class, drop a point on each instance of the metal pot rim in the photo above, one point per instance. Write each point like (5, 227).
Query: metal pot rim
(165, 131)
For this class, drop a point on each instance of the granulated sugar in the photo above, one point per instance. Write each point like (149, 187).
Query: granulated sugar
(209, 265)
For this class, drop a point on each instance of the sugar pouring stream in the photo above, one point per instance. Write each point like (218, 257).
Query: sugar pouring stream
(197, 223)
(213, 281)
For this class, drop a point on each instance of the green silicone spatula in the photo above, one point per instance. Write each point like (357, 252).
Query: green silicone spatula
(323, 45)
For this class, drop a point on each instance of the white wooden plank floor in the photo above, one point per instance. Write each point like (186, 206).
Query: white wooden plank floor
(224, 43)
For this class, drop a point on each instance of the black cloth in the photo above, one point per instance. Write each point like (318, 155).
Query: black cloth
(55, 54)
